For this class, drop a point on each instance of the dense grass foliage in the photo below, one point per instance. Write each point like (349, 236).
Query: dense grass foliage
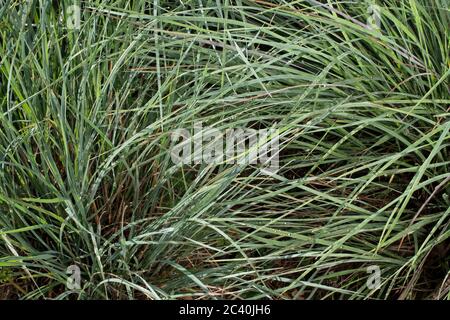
(86, 176)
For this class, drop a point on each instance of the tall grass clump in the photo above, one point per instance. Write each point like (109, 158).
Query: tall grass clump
(87, 180)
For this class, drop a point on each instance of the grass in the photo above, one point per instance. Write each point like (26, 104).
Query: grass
(86, 176)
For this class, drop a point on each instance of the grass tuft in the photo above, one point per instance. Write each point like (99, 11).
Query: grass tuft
(86, 176)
